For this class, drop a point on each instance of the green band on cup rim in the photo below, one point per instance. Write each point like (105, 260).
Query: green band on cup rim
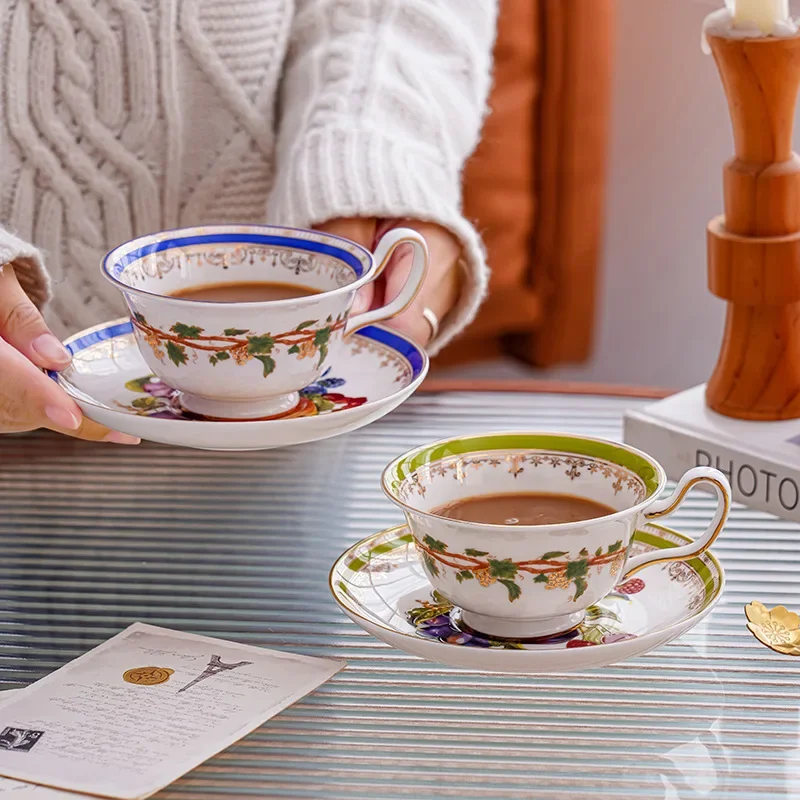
(617, 454)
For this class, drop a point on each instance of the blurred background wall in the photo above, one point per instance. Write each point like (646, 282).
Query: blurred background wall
(657, 323)
(670, 134)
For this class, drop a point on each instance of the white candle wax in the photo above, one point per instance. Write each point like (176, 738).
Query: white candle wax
(750, 19)
(767, 15)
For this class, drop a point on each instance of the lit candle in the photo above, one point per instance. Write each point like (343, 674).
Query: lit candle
(766, 15)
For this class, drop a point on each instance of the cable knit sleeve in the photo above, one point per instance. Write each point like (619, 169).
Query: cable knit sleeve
(28, 266)
(381, 104)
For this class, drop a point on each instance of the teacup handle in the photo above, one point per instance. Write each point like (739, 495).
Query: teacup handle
(383, 255)
(662, 508)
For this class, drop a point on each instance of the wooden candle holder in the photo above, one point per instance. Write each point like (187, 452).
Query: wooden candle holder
(754, 249)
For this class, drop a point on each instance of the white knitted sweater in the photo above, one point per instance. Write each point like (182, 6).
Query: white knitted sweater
(124, 117)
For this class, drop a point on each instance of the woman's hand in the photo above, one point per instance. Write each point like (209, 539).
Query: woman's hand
(28, 398)
(442, 286)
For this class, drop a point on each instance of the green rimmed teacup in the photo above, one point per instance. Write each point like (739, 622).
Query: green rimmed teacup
(520, 581)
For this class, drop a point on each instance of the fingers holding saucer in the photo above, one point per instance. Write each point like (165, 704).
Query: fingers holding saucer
(29, 400)
(22, 326)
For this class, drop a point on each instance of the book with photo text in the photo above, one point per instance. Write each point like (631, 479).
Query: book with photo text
(760, 459)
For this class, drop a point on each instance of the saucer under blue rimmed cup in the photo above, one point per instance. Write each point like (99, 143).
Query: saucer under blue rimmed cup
(373, 373)
(250, 360)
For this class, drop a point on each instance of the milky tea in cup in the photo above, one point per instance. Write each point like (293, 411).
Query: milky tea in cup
(523, 508)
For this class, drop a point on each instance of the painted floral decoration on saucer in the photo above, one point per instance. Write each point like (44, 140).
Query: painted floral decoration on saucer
(777, 628)
(163, 402)
(438, 619)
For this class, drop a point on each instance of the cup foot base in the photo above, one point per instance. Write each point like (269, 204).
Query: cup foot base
(522, 629)
(239, 409)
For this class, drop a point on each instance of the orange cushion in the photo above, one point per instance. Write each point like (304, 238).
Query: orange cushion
(499, 181)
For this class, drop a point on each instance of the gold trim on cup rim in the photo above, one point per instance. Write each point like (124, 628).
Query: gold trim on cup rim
(658, 471)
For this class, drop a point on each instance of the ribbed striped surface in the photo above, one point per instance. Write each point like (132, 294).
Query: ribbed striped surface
(239, 545)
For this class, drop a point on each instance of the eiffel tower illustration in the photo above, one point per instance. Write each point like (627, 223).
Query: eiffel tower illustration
(215, 666)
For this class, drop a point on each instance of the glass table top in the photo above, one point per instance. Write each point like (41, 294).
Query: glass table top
(239, 546)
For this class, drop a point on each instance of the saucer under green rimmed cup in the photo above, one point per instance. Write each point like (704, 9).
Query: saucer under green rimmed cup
(381, 585)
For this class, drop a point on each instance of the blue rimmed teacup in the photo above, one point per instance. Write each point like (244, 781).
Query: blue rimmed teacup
(247, 360)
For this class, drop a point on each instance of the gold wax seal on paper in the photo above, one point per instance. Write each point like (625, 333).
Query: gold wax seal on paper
(776, 628)
(147, 676)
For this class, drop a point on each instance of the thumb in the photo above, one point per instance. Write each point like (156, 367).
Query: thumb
(22, 326)
(360, 230)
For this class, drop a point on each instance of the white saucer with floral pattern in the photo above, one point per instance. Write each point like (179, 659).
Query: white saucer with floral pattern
(110, 381)
(380, 584)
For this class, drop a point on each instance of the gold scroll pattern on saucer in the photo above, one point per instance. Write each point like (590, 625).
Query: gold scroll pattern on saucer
(777, 628)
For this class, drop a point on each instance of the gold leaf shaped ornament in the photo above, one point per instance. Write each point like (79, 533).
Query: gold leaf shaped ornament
(777, 628)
